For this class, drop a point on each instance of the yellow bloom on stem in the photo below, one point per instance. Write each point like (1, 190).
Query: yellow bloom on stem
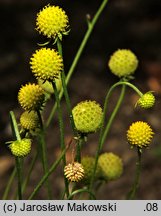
(21, 148)
(74, 172)
(29, 120)
(46, 64)
(31, 97)
(87, 116)
(52, 22)
(123, 63)
(140, 134)
(111, 166)
(146, 101)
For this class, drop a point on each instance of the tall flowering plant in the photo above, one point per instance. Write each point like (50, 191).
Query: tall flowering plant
(84, 173)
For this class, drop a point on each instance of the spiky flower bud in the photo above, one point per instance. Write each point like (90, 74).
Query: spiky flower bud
(111, 166)
(52, 22)
(74, 172)
(140, 134)
(21, 148)
(123, 63)
(87, 116)
(146, 101)
(31, 97)
(48, 87)
(46, 64)
(29, 120)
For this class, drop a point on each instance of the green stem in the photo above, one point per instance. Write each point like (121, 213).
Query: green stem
(45, 177)
(79, 53)
(18, 166)
(30, 171)
(14, 126)
(131, 86)
(16, 134)
(61, 126)
(103, 133)
(135, 186)
(108, 126)
(44, 152)
(65, 91)
(81, 191)
(7, 189)
(81, 138)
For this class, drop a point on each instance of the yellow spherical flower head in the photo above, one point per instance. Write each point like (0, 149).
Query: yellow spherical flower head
(48, 87)
(74, 172)
(29, 120)
(52, 22)
(123, 63)
(46, 64)
(21, 148)
(146, 101)
(111, 166)
(87, 116)
(88, 165)
(31, 97)
(139, 134)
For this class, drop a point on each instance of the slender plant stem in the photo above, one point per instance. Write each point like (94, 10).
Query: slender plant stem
(108, 126)
(18, 165)
(44, 153)
(68, 103)
(45, 177)
(103, 133)
(80, 141)
(65, 91)
(7, 189)
(79, 53)
(14, 126)
(81, 191)
(62, 142)
(135, 186)
(30, 171)
(16, 134)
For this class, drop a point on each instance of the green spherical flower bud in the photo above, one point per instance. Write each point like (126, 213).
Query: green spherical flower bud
(31, 97)
(111, 166)
(139, 134)
(87, 116)
(52, 22)
(29, 120)
(88, 164)
(21, 148)
(146, 101)
(48, 87)
(46, 64)
(74, 172)
(123, 63)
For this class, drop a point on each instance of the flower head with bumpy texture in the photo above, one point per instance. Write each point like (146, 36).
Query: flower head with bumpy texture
(46, 64)
(29, 120)
(74, 172)
(139, 134)
(52, 22)
(31, 97)
(88, 165)
(111, 166)
(146, 101)
(21, 148)
(87, 116)
(123, 63)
